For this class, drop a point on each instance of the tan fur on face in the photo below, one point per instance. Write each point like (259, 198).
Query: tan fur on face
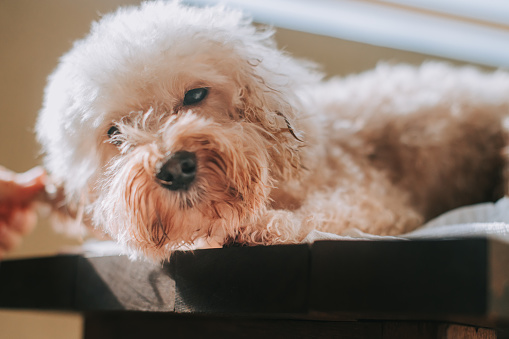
(230, 189)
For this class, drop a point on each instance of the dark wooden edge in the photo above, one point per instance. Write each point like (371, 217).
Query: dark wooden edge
(400, 278)
(446, 280)
(39, 283)
(256, 280)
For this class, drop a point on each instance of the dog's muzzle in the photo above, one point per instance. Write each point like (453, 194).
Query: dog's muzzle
(178, 171)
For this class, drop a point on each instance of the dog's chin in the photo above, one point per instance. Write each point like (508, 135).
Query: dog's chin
(230, 189)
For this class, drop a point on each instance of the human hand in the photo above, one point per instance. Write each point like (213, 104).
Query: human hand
(17, 213)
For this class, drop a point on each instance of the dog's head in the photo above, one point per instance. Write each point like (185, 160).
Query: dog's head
(167, 124)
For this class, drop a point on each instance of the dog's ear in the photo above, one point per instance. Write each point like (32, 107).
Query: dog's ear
(276, 111)
(269, 81)
(268, 108)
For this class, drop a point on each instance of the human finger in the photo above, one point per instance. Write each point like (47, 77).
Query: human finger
(9, 239)
(19, 189)
(23, 220)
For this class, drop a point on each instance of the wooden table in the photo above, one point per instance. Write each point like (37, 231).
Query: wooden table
(348, 289)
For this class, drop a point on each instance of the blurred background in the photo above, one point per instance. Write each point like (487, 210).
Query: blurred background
(345, 37)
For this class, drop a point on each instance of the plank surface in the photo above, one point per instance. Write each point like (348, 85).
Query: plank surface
(465, 281)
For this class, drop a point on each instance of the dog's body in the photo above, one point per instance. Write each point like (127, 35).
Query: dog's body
(169, 125)
(401, 145)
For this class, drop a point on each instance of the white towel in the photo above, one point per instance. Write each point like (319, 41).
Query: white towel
(481, 220)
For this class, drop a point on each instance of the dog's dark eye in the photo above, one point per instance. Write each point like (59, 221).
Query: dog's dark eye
(112, 132)
(195, 95)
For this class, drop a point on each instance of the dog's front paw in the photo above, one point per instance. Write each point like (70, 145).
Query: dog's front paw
(274, 227)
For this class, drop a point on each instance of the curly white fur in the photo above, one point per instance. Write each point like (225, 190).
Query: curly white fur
(279, 151)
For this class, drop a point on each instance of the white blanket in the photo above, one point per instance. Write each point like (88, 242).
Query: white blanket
(481, 220)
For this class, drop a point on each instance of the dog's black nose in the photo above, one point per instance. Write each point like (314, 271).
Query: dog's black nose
(178, 171)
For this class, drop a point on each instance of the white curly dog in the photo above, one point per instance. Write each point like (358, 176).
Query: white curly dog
(169, 126)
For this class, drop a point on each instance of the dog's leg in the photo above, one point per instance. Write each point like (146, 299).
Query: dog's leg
(375, 207)
(272, 227)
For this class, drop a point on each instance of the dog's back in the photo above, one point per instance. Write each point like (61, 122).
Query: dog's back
(436, 130)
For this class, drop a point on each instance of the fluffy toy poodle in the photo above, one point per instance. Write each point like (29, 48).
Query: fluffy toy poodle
(170, 126)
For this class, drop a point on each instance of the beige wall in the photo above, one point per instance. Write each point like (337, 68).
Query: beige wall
(33, 34)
